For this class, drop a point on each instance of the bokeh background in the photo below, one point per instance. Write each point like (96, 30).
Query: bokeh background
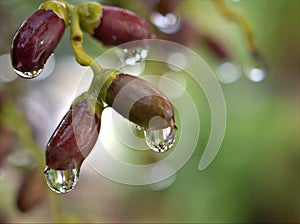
(255, 176)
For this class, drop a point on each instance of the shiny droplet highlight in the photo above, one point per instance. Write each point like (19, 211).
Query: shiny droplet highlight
(160, 140)
(28, 75)
(61, 181)
(132, 56)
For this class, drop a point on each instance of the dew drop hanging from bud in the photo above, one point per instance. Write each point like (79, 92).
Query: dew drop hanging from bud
(61, 181)
(160, 140)
(132, 56)
(28, 75)
(255, 69)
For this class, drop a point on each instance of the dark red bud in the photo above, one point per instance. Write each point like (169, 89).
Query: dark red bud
(7, 140)
(35, 41)
(119, 26)
(217, 48)
(167, 6)
(140, 102)
(74, 137)
(31, 191)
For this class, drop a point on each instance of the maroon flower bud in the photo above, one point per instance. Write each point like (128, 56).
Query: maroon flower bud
(118, 26)
(167, 6)
(71, 143)
(75, 136)
(217, 48)
(31, 191)
(35, 41)
(140, 102)
(7, 139)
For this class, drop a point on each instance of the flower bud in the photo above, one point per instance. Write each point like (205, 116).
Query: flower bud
(167, 6)
(75, 136)
(31, 191)
(217, 48)
(7, 139)
(140, 102)
(35, 41)
(118, 26)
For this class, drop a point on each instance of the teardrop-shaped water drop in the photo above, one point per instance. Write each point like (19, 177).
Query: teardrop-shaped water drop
(255, 69)
(61, 181)
(160, 140)
(133, 55)
(28, 75)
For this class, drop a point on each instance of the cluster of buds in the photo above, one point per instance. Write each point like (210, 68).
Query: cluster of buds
(132, 97)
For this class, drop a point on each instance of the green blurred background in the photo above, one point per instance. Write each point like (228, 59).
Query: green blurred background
(255, 176)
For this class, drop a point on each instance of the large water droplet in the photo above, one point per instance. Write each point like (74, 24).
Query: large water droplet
(133, 55)
(61, 181)
(28, 75)
(160, 140)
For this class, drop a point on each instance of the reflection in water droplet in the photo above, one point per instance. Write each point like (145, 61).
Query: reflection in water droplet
(61, 181)
(160, 140)
(167, 24)
(138, 128)
(132, 56)
(228, 73)
(28, 75)
(256, 74)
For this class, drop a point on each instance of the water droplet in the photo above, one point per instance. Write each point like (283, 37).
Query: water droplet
(138, 128)
(28, 75)
(256, 68)
(61, 181)
(256, 74)
(228, 72)
(167, 24)
(160, 140)
(48, 69)
(134, 55)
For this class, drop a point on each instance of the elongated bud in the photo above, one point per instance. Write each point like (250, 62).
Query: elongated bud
(118, 26)
(31, 191)
(140, 102)
(217, 47)
(36, 39)
(167, 6)
(76, 134)
(7, 139)
(71, 143)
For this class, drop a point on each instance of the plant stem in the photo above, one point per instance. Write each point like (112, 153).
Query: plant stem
(240, 19)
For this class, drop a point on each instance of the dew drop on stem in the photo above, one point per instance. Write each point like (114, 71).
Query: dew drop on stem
(160, 140)
(61, 181)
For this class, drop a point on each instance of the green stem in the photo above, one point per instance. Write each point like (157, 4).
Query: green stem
(240, 20)
(81, 56)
